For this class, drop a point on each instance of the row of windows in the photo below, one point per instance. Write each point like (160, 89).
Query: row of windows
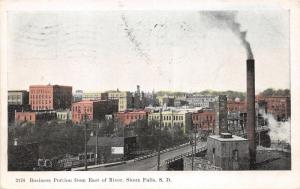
(40, 96)
(166, 117)
(81, 116)
(41, 102)
(199, 117)
(168, 124)
(62, 116)
(36, 91)
(136, 117)
(235, 108)
(204, 124)
(25, 118)
(85, 109)
(41, 107)
(13, 97)
(204, 121)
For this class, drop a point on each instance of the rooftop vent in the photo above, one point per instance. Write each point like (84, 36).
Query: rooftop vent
(226, 135)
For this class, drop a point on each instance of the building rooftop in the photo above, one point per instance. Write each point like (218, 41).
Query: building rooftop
(132, 111)
(106, 141)
(234, 138)
(17, 91)
(49, 86)
(91, 101)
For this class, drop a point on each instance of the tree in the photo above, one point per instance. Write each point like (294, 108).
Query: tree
(54, 139)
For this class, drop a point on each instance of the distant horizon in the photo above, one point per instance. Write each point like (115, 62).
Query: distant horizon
(147, 91)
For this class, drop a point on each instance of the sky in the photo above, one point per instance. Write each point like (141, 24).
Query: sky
(161, 50)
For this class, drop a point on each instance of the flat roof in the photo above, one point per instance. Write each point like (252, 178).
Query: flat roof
(17, 91)
(38, 86)
(234, 138)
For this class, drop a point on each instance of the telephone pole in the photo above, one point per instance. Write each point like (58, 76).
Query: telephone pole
(85, 142)
(96, 150)
(194, 146)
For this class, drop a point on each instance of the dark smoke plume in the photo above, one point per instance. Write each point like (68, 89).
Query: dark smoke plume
(227, 19)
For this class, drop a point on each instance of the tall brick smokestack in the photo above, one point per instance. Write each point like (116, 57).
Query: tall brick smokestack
(251, 111)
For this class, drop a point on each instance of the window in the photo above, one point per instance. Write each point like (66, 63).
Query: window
(235, 155)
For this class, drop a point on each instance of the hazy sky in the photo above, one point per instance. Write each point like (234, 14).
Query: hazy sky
(161, 50)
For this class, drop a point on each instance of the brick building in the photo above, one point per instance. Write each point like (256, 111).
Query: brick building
(34, 117)
(129, 117)
(279, 106)
(50, 97)
(204, 120)
(95, 110)
(236, 106)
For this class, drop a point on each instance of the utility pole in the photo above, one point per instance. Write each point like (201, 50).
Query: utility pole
(159, 135)
(193, 151)
(85, 142)
(96, 150)
(194, 146)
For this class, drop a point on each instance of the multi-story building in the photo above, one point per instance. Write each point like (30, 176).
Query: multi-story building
(128, 117)
(204, 120)
(236, 106)
(18, 100)
(166, 100)
(279, 106)
(125, 99)
(93, 110)
(34, 117)
(18, 97)
(204, 101)
(94, 96)
(179, 102)
(50, 97)
(182, 119)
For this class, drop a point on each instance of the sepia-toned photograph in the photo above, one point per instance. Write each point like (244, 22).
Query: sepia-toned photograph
(148, 90)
